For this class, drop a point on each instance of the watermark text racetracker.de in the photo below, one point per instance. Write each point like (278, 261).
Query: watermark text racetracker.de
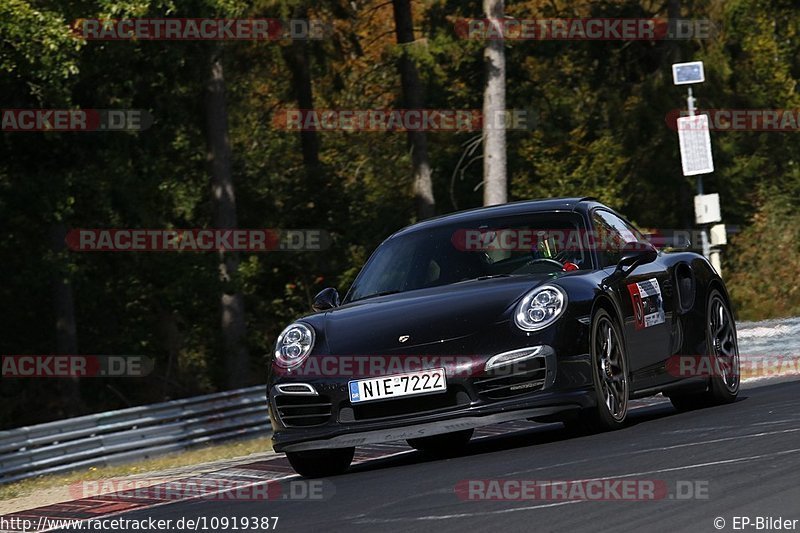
(197, 240)
(400, 120)
(584, 29)
(74, 120)
(605, 489)
(203, 487)
(74, 366)
(200, 29)
(373, 365)
(572, 240)
(750, 366)
(774, 120)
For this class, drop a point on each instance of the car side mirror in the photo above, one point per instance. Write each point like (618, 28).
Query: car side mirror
(326, 299)
(636, 253)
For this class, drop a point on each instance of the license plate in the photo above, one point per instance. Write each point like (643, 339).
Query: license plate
(398, 385)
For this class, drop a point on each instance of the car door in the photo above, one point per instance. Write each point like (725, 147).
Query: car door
(645, 300)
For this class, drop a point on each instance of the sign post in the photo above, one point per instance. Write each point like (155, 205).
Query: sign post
(694, 139)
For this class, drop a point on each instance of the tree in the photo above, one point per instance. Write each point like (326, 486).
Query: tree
(414, 98)
(39, 73)
(495, 187)
(297, 59)
(223, 197)
(64, 304)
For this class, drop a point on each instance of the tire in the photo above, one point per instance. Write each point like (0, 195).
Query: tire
(321, 463)
(688, 402)
(610, 378)
(445, 445)
(723, 349)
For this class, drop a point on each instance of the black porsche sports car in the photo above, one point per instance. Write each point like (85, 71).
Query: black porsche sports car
(551, 310)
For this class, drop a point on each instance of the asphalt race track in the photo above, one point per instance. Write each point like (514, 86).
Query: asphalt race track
(745, 455)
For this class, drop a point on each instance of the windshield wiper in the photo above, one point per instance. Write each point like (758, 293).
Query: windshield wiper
(489, 276)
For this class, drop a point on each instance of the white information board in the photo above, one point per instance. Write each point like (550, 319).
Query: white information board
(695, 143)
(706, 209)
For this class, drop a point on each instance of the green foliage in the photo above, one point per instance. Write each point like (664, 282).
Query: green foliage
(39, 52)
(572, 168)
(765, 260)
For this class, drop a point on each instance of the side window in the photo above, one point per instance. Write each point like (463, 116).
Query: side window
(611, 234)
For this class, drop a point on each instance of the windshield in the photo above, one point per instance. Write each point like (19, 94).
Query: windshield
(508, 246)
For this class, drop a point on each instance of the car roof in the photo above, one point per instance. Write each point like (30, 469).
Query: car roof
(510, 209)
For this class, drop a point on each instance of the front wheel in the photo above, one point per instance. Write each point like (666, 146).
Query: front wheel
(443, 445)
(610, 378)
(321, 463)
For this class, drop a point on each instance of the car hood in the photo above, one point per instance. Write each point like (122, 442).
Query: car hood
(427, 316)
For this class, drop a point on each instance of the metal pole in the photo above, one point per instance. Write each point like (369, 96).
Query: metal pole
(704, 233)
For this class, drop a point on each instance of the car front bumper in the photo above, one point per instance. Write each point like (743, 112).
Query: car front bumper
(326, 418)
(342, 435)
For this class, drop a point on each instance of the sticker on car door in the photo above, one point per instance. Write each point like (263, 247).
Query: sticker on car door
(648, 305)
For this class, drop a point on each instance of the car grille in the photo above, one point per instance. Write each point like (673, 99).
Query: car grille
(502, 383)
(303, 411)
(455, 396)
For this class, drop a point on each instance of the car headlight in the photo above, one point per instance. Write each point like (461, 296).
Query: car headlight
(540, 308)
(294, 344)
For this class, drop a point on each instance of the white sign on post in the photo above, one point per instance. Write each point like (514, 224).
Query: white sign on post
(686, 73)
(695, 143)
(719, 235)
(706, 209)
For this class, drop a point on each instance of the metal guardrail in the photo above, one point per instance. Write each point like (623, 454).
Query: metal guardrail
(116, 437)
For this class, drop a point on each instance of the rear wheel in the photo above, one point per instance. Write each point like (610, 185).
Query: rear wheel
(321, 463)
(723, 353)
(610, 377)
(443, 445)
(724, 349)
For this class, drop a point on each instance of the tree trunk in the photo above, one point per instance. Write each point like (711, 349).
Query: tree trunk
(414, 98)
(223, 198)
(673, 46)
(70, 402)
(171, 341)
(495, 186)
(297, 59)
